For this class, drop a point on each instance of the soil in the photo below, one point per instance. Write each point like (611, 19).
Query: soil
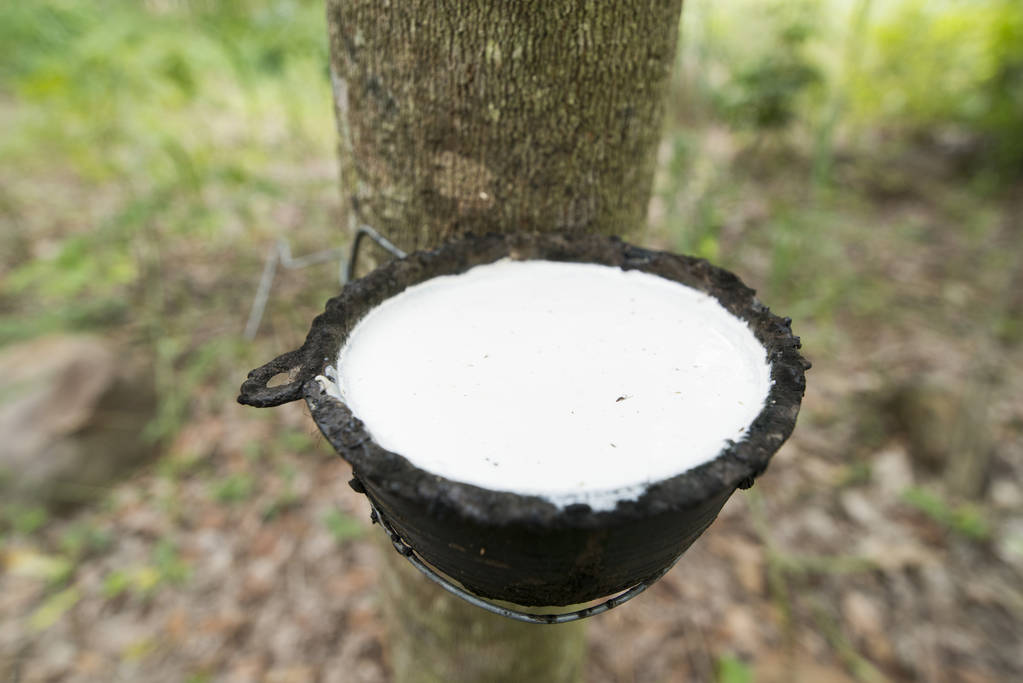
(862, 553)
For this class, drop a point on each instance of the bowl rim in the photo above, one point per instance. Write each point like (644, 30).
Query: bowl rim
(391, 474)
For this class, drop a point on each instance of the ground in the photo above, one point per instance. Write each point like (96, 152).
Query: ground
(242, 553)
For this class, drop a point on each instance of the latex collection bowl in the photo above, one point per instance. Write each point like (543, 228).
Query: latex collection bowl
(518, 548)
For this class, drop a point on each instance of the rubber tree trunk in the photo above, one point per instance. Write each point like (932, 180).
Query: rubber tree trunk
(476, 116)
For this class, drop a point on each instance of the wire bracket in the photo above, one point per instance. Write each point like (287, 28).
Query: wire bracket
(409, 553)
(280, 257)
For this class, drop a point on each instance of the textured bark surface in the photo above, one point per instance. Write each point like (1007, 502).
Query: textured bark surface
(437, 638)
(474, 116)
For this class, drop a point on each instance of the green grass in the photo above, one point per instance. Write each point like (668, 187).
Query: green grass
(83, 539)
(165, 568)
(963, 519)
(234, 488)
(24, 519)
(730, 669)
(343, 527)
(53, 608)
(148, 149)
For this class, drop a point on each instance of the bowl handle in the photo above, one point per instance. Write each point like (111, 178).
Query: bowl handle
(255, 392)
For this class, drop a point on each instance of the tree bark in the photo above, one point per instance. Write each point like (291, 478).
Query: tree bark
(472, 116)
(434, 637)
(475, 116)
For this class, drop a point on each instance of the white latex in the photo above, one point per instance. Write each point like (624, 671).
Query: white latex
(575, 382)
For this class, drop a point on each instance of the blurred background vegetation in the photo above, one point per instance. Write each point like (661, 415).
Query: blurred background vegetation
(860, 162)
(144, 138)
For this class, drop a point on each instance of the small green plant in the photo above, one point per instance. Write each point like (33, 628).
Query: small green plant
(169, 563)
(234, 489)
(33, 564)
(295, 441)
(83, 539)
(53, 608)
(343, 527)
(280, 505)
(731, 669)
(964, 519)
(116, 582)
(765, 91)
(285, 500)
(26, 519)
(855, 473)
(974, 50)
(699, 235)
(167, 567)
(179, 465)
(253, 451)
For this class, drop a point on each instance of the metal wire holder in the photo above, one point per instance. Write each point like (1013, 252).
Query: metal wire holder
(280, 256)
(409, 553)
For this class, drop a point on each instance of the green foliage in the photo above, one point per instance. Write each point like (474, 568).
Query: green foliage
(108, 98)
(964, 519)
(280, 505)
(286, 499)
(116, 583)
(916, 68)
(83, 539)
(53, 608)
(180, 373)
(24, 519)
(855, 473)
(30, 563)
(234, 489)
(731, 669)
(295, 441)
(169, 563)
(343, 527)
(934, 65)
(139, 140)
(166, 567)
(753, 60)
(769, 83)
(180, 465)
(810, 274)
(697, 209)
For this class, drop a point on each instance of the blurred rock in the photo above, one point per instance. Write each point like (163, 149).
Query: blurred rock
(861, 509)
(945, 424)
(863, 615)
(782, 668)
(290, 674)
(260, 577)
(820, 527)
(892, 471)
(740, 630)
(1006, 494)
(1009, 546)
(894, 550)
(937, 585)
(72, 411)
(926, 412)
(746, 560)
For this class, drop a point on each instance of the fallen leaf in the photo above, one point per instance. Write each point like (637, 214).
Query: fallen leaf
(53, 608)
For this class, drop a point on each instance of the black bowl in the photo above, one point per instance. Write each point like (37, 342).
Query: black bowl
(524, 549)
